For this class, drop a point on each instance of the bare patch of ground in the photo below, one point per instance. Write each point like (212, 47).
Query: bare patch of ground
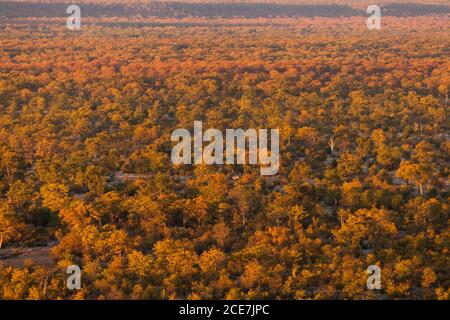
(18, 257)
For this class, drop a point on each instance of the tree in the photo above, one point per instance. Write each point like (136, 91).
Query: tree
(10, 224)
(55, 196)
(7, 227)
(424, 153)
(244, 201)
(418, 174)
(20, 195)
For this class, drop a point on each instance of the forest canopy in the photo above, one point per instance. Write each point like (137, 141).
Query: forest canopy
(86, 178)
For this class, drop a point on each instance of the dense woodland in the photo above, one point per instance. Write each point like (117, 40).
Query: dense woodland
(17, 9)
(85, 124)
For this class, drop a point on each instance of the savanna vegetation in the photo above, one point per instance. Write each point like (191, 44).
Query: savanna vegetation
(85, 124)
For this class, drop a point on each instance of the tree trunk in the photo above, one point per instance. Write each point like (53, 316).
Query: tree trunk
(421, 188)
(331, 144)
(44, 289)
